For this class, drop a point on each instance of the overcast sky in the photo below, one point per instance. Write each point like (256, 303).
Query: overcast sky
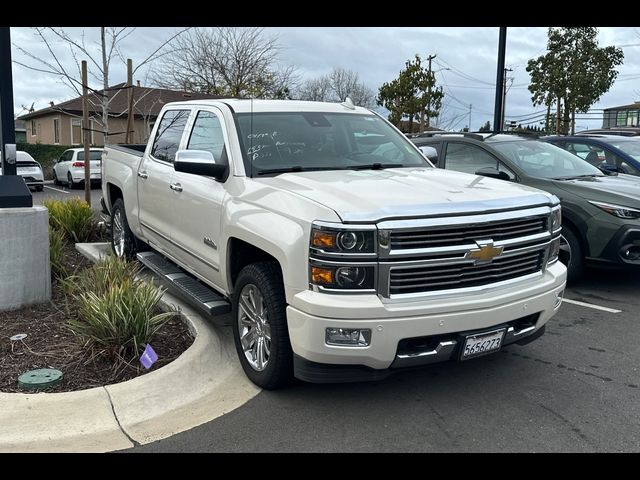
(377, 54)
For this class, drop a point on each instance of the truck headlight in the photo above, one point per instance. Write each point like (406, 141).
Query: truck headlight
(342, 241)
(617, 210)
(343, 277)
(556, 220)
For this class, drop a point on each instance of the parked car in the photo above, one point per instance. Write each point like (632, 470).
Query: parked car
(342, 254)
(619, 131)
(609, 153)
(29, 170)
(69, 168)
(600, 213)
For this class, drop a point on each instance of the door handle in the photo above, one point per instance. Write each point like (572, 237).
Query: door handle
(143, 175)
(176, 187)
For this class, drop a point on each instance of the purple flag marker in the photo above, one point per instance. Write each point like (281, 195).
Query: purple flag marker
(148, 357)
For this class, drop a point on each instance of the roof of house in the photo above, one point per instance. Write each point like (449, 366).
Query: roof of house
(147, 101)
(635, 105)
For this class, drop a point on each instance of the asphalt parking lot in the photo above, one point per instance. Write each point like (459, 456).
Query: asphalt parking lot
(52, 191)
(576, 389)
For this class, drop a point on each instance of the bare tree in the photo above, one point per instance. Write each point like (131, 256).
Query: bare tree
(99, 61)
(228, 61)
(336, 87)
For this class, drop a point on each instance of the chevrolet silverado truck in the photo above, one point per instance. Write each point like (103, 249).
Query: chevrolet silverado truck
(341, 253)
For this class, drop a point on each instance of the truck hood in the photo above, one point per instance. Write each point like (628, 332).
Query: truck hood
(619, 188)
(374, 195)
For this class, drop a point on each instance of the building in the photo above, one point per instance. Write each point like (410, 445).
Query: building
(61, 124)
(623, 116)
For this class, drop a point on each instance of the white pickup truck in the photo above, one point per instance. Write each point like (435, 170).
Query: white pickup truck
(342, 253)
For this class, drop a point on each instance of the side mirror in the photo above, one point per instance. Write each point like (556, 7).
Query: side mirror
(493, 173)
(609, 169)
(430, 152)
(199, 162)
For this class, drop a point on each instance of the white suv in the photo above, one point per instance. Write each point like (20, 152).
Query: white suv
(69, 168)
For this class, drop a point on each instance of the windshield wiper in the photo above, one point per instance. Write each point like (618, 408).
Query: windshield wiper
(578, 177)
(295, 168)
(376, 166)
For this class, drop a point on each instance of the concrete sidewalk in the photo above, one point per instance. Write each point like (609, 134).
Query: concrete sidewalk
(205, 382)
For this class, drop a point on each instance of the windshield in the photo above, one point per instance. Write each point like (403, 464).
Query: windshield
(93, 155)
(630, 147)
(543, 160)
(301, 141)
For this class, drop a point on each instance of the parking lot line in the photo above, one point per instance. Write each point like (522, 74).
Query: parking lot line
(591, 305)
(56, 189)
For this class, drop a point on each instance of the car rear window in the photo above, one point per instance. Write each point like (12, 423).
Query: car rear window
(94, 155)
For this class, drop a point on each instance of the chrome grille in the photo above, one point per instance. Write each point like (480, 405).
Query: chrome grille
(445, 277)
(464, 234)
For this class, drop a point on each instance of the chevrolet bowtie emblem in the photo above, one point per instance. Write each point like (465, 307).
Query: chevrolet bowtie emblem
(484, 253)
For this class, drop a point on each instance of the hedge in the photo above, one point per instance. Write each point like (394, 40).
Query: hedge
(45, 154)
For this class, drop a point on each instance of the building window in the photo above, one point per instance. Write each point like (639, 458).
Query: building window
(632, 119)
(33, 128)
(76, 131)
(56, 131)
(622, 118)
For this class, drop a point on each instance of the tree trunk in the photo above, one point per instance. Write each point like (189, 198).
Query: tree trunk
(558, 112)
(547, 119)
(573, 122)
(566, 118)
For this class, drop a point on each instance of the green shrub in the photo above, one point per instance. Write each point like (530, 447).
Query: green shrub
(101, 277)
(56, 254)
(116, 315)
(74, 218)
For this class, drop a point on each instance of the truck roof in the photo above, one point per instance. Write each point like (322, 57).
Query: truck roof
(261, 106)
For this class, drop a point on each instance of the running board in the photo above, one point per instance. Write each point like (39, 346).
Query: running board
(187, 287)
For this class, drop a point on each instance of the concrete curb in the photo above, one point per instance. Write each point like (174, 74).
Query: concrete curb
(205, 382)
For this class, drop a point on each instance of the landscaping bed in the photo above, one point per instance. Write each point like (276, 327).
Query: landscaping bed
(83, 358)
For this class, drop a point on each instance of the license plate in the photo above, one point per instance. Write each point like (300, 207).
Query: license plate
(482, 343)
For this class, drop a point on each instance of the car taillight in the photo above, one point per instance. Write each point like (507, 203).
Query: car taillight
(77, 164)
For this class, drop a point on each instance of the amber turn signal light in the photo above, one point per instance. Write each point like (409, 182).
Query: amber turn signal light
(321, 276)
(322, 239)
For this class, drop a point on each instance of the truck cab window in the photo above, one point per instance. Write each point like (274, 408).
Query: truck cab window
(207, 135)
(168, 135)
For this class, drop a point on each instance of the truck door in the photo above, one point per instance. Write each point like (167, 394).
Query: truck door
(155, 197)
(197, 200)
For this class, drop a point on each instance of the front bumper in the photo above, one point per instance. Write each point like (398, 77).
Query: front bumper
(614, 253)
(437, 320)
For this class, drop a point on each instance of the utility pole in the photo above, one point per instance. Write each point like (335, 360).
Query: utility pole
(7, 126)
(85, 134)
(128, 138)
(497, 111)
(470, 107)
(422, 115)
(504, 96)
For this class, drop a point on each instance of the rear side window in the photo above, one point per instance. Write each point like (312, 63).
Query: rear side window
(93, 155)
(168, 135)
(207, 135)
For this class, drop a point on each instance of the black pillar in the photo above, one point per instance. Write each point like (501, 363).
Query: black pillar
(497, 112)
(13, 191)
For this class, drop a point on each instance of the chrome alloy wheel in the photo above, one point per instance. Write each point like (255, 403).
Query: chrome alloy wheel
(254, 328)
(118, 233)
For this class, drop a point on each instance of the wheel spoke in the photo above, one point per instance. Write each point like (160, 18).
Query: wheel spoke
(267, 347)
(249, 310)
(261, 357)
(247, 340)
(266, 328)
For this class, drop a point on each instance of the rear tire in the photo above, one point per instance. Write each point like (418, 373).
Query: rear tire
(123, 242)
(575, 266)
(260, 319)
(39, 188)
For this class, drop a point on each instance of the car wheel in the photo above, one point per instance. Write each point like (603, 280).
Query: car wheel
(574, 261)
(39, 188)
(123, 242)
(260, 326)
(55, 179)
(70, 183)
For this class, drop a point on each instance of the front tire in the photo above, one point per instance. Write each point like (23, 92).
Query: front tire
(70, 183)
(56, 182)
(123, 242)
(575, 262)
(260, 329)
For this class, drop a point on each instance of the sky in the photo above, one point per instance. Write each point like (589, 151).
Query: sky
(465, 64)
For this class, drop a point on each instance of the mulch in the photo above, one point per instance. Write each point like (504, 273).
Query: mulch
(50, 344)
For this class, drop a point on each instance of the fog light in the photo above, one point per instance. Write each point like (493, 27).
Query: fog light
(559, 296)
(348, 337)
